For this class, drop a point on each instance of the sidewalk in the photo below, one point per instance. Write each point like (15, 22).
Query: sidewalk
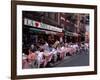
(59, 61)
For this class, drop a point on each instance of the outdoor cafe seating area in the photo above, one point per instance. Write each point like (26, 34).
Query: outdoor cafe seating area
(42, 55)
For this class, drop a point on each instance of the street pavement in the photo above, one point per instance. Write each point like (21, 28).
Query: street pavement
(81, 59)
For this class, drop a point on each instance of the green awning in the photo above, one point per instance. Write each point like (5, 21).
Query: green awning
(67, 33)
(33, 30)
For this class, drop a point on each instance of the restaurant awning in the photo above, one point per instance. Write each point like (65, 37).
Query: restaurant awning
(67, 33)
(34, 30)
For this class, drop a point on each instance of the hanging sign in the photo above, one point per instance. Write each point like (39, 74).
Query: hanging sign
(37, 24)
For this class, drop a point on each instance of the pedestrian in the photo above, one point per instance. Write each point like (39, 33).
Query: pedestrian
(28, 59)
(31, 58)
(40, 57)
(56, 43)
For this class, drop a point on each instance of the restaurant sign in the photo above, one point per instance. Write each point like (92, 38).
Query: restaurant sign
(37, 24)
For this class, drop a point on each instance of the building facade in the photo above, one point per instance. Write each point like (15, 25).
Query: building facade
(39, 27)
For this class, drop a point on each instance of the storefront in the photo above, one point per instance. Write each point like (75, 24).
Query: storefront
(37, 32)
(68, 36)
(71, 37)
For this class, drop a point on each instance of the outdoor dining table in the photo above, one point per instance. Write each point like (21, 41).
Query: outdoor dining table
(47, 55)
